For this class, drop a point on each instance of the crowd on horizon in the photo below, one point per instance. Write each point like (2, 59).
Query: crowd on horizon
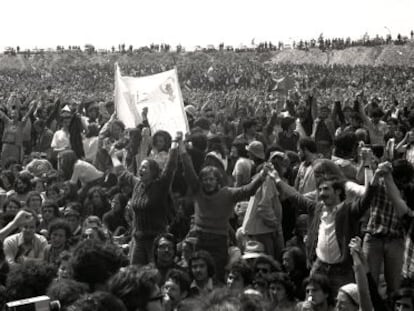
(321, 43)
(293, 189)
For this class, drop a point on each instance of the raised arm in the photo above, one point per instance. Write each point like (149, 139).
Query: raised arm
(167, 174)
(360, 273)
(189, 171)
(21, 218)
(393, 192)
(245, 192)
(143, 146)
(299, 201)
(4, 117)
(33, 106)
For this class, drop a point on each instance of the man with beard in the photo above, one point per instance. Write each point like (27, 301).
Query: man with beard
(333, 222)
(23, 186)
(214, 204)
(25, 245)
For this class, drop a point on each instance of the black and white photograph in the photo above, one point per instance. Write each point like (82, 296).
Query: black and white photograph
(227, 155)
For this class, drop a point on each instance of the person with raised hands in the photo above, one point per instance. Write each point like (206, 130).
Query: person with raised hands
(214, 205)
(150, 200)
(333, 222)
(356, 296)
(401, 196)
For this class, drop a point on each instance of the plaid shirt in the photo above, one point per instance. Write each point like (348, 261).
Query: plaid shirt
(383, 219)
(408, 264)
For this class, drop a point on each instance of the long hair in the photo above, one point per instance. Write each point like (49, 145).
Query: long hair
(208, 259)
(75, 130)
(69, 159)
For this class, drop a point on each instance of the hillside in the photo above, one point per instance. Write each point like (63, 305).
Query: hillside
(388, 55)
(391, 55)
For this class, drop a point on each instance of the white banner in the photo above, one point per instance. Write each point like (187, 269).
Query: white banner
(161, 93)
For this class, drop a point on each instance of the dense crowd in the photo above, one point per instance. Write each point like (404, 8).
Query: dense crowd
(293, 189)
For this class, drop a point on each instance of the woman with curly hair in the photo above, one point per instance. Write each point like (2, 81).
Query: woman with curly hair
(281, 292)
(96, 202)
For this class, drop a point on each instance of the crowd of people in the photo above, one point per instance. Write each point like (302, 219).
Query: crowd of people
(282, 196)
(265, 46)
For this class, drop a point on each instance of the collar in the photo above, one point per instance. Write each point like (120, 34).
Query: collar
(208, 286)
(334, 210)
(20, 239)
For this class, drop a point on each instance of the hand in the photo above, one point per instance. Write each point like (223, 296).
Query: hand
(355, 246)
(385, 168)
(308, 306)
(22, 218)
(357, 253)
(112, 150)
(144, 113)
(267, 167)
(145, 132)
(178, 136)
(274, 174)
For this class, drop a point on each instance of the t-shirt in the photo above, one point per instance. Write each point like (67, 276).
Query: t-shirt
(60, 141)
(85, 173)
(90, 146)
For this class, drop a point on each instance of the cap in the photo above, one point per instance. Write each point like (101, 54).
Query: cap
(279, 154)
(253, 250)
(257, 149)
(191, 110)
(351, 290)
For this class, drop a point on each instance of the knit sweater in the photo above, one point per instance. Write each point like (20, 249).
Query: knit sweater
(213, 211)
(150, 202)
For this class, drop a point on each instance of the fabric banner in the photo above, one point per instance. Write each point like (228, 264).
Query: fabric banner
(161, 93)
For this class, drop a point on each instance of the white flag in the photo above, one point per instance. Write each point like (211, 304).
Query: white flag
(161, 93)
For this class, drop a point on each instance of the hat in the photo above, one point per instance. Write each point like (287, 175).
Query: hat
(191, 110)
(66, 112)
(351, 290)
(257, 149)
(279, 154)
(70, 212)
(253, 250)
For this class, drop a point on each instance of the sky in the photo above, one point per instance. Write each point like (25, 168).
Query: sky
(107, 23)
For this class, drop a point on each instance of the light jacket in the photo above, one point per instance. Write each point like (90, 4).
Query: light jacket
(264, 212)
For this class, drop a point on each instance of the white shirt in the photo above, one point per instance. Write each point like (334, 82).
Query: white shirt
(60, 141)
(327, 249)
(90, 146)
